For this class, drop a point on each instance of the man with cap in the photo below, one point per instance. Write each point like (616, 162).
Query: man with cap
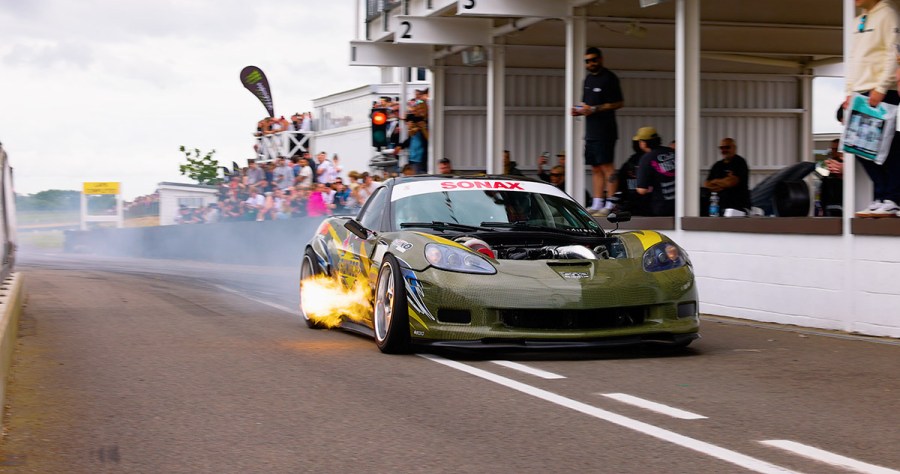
(601, 98)
(656, 172)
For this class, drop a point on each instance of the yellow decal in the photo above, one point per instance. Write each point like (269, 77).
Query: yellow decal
(443, 240)
(648, 238)
(415, 316)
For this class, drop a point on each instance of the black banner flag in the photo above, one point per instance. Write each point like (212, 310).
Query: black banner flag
(255, 81)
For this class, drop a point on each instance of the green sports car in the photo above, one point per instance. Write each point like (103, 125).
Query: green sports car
(499, 261)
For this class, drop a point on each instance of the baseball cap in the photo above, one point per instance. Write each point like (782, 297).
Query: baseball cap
(645, 133)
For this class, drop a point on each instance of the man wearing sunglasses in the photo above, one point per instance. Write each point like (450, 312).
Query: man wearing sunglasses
(870, 70)
(728, 177)
(601, 98)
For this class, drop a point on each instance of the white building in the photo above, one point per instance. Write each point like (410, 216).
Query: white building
(174, 195)
(697, 70)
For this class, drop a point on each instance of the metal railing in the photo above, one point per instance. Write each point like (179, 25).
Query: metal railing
(287, 144)
(377, 7)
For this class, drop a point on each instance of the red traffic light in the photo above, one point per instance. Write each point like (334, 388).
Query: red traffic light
(379, 118)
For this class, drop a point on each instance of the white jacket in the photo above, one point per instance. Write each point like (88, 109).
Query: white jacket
(873, 51)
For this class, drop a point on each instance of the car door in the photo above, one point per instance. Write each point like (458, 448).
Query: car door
(359, 251)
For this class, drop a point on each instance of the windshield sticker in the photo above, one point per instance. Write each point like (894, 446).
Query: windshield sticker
(455, 185)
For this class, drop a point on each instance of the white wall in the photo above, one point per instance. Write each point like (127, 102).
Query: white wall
(846, 283)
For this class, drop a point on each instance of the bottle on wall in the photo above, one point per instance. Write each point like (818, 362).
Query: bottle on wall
(714, 204)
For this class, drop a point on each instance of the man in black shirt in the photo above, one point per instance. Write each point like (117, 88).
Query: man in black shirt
(601, 98)
(729, 177)
(656, 172)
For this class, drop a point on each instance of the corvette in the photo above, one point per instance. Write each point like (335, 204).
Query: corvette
(498, 261)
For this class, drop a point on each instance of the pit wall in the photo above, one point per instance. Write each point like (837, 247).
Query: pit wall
(12, 298)
(276, 243)
(846, 283)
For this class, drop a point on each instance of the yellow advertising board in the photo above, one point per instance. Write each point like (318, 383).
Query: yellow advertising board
(101, 188)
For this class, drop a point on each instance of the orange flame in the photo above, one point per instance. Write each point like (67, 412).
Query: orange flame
(327, 301)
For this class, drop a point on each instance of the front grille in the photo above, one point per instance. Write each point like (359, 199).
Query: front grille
(604, 318)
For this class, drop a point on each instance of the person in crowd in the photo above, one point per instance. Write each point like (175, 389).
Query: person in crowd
(283, 175)
(871, 69)
(544, 160)
(416, 142)
(366, 189)
(336, 162)
(304, 176)
(601, 98)
(729, 178)
(557, 176)
(254, 174)
(510, 167)
(325, 172)
(445, 166)
(253, 204)
(315, 204)
(212, 214)
(408, 170)
(832, 191)
(656, 172)
(341, 196)
(630, 200)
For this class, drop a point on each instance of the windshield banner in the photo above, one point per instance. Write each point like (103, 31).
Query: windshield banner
(255, 81)
(441, 185)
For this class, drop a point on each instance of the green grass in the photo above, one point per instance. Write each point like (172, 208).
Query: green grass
(42, 218)
(44, 239)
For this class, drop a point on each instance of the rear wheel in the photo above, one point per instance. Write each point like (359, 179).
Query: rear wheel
(309, 268)
(391, 313)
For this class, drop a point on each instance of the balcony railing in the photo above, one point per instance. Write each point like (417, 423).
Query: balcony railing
(377, 7)
(286, 144)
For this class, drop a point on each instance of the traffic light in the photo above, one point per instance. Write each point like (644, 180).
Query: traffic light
(379, 127)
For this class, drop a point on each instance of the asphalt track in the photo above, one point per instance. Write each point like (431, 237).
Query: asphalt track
(128, 365)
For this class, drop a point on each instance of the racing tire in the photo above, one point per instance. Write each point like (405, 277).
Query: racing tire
(391, 317)
(309, 267)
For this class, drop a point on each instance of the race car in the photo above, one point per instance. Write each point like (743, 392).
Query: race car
(499, 262)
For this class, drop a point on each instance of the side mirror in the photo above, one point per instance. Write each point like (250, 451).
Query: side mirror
(621, 216)
(357, 229)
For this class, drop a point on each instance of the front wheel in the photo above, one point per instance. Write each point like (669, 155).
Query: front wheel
(309, 268)
(391, 313)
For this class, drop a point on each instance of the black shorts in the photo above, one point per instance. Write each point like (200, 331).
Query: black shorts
(599, 152)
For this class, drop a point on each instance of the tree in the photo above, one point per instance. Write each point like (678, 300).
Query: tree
(203, 170)
(49, 200)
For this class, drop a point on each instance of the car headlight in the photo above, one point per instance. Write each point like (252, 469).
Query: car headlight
(664, 256)
(455, 259)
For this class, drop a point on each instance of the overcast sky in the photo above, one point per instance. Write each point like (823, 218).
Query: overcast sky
(106, 90)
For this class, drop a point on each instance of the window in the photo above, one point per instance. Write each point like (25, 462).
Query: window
(192, 202)
(372, 214)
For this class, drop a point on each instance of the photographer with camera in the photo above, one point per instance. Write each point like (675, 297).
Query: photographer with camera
(416, 143)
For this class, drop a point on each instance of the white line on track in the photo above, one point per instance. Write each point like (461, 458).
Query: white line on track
(528, 370)
(276, 306)
(826, 457)
(653, 406)
(727, 455)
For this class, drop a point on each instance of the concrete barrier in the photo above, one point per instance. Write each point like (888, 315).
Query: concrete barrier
(278, 243)
(12, 297)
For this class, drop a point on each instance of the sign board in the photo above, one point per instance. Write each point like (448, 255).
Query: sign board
(101, 188)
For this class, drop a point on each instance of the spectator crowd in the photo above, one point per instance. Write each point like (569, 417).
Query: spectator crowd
(286, 188)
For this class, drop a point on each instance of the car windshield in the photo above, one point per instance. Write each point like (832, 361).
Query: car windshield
(494, 209)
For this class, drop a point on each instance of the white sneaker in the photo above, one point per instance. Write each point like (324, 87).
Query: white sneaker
(867, 212)
(888, 208)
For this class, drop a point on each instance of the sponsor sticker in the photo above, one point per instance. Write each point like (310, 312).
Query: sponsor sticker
(401, 245)
(575, 275)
